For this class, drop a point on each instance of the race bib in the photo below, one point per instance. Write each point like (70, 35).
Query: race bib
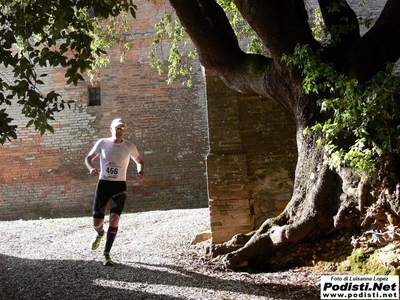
(112, 169)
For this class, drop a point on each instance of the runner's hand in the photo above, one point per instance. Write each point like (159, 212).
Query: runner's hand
(140, 177)
(94, 172)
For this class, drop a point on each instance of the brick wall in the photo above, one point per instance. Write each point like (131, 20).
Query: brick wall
(46, 176)
(251, 162)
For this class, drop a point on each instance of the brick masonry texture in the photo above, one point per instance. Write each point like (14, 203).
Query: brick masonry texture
(251, 162)
(45, 176)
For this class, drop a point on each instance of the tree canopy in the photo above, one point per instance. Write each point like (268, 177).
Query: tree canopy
(46, 33)
(324, 43)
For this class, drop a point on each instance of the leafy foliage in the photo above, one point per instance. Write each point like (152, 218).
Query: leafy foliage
(47, 33)
(367, 115)
(179, 58)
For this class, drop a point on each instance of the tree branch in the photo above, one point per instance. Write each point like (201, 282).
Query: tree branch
(342, 24)
(210, 31)
(218, 47)
(380, 45)
(281, 25)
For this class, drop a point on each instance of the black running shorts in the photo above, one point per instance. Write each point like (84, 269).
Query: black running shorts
(109, 191)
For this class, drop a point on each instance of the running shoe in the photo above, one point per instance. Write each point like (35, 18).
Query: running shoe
(107, 260)
(96, 242)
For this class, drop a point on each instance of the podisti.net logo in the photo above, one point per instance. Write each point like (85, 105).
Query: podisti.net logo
(359, 287)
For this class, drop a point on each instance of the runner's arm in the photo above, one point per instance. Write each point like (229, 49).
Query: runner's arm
(89, 164)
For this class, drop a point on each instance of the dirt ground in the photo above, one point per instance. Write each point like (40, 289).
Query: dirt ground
(52, 259)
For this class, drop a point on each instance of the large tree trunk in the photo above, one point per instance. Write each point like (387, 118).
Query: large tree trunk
(310, 214)
(322, 198)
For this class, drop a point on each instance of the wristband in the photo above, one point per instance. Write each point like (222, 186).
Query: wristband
(140, 173)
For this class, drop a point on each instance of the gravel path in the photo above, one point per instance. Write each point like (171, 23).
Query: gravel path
(52, 259)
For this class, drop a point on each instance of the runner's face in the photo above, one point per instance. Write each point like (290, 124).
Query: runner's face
(118, 132)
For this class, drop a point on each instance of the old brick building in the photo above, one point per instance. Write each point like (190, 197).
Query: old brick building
(202, 146)
(47, 176)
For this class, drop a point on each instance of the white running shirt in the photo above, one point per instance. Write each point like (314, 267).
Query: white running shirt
(114, 158)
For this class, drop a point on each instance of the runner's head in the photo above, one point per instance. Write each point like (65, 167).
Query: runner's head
(118, 129)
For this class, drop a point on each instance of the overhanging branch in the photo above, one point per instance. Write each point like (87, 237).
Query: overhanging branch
(218, 47)
(379, 46)
(342, 24)
(281, 25)
(209, 29)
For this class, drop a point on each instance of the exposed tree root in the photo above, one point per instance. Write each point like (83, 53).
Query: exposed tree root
(330, 204)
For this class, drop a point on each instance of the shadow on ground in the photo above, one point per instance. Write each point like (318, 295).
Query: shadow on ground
(77, 279)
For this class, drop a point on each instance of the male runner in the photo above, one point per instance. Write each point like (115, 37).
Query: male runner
(115, 153)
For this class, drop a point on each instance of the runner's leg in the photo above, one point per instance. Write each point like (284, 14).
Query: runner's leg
(116, 207)
(99, 206)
